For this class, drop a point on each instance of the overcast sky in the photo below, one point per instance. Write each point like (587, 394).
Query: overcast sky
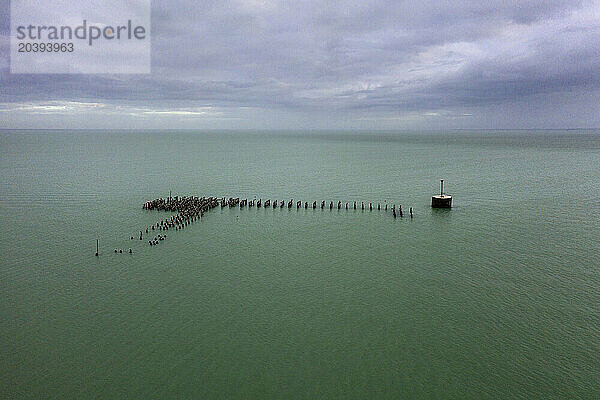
(428, 64)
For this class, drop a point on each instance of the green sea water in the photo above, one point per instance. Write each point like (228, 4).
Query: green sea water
(498, 298)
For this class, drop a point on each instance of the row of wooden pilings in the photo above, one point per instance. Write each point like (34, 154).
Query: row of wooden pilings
(192, 206)
(190, 209)
(233, 202)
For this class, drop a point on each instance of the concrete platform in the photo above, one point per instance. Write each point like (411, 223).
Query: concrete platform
(441, 201)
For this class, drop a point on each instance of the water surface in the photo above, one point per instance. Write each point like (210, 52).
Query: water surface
(497, 298)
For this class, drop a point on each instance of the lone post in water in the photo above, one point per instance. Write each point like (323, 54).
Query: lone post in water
(97, 242)
(441, 201)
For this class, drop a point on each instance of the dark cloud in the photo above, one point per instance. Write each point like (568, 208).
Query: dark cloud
(330, 63)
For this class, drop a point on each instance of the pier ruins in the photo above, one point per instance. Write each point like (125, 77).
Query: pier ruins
(187, 210)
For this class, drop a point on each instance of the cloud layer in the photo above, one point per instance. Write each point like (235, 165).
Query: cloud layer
(360, 64)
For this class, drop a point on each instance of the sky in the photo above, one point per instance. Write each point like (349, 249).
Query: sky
(365, 65)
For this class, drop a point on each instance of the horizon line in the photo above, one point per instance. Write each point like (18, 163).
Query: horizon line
(300, 129)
